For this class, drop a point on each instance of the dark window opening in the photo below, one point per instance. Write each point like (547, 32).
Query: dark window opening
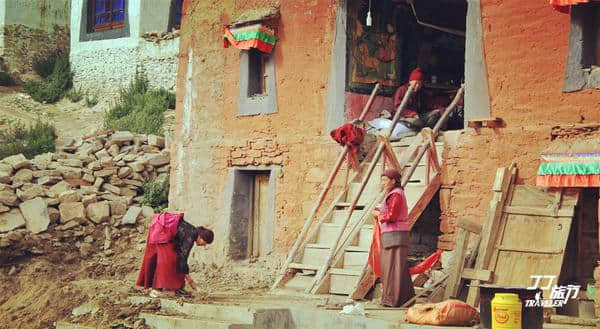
(596, 38)
(256, 73)
(176, 15)
(583, 65)
(106, 14)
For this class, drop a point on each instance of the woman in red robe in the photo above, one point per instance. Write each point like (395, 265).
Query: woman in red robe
(170, 240)
(395, 237)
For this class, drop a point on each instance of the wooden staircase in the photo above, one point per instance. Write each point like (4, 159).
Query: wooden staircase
(343, 277)
(330, 255)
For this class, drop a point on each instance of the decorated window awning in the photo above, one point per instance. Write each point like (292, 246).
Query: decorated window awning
(255, 36)
(564, 5)
(570, 162)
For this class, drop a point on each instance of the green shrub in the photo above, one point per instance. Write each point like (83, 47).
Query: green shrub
(6, 79)
(91, 101)
(156, 194)
(55, 86)
(75, 95)
(139, 109)
(44, 65)
(30, 141)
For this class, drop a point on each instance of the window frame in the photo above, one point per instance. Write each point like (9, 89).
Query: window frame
(584, 34)
(107, 26)
(265, 103)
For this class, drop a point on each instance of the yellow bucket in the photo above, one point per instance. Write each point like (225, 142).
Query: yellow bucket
(506, 311)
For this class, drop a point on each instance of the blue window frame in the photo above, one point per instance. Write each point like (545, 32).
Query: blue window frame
(108, 14)
(176, 14)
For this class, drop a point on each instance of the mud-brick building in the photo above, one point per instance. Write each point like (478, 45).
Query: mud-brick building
(253, 123)
(112, 39)
(32, 29)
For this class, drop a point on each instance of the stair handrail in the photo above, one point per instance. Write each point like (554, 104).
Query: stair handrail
(322, 195)
(322, 271)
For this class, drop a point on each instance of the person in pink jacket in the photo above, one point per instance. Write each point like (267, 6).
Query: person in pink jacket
(395, 237)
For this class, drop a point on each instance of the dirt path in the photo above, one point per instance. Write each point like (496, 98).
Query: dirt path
(71, 119)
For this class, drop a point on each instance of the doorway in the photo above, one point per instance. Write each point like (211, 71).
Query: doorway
(252, 212)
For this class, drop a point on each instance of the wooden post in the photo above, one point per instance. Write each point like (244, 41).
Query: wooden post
(322, 196)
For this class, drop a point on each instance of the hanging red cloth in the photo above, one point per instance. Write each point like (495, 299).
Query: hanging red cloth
(426, 264)
(375, 252)
(564, 6)
(351, 136)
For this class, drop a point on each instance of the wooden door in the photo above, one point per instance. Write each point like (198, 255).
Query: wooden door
(258, 228)
(533, 234)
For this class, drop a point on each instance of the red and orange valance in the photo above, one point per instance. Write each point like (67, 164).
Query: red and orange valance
(564, 5)
(255, 36)
(569, 170)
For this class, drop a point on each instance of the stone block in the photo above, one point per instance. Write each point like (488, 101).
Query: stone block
(4, 209)
(131, 216)
(111, 188)
(102, 154)
(147, 212)
(125, 172)
(130, 157)
(137, 166)
(52, 201)
(71, 211)
(118, 208)
(69, 196)
(24, 175)
(53, 214)
(76, 163)
(133, 182)
(127, 192)
(113, 150)
(122, 137)
(17, 161)
(98, 183)
(89, 199)
(98, 212)
(5, 177)
(49, 180)
(8, 198)
(105, 172)
(157, 141)
(11, 220)
(107, 163)
(159, 160)
(35, 213)
(94, 165)
(89, 178)
(58, 188)
(41, 161)
(31, 192)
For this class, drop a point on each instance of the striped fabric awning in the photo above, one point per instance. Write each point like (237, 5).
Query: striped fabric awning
(569, 170)
(563, 5)
(254, 36)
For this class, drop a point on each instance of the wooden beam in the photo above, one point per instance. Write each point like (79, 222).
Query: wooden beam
(473, 274)
(469, 225)
(529, 250)
(535, 211)
(455, 274)
(425, 198)
(364, 284)
(563, 319)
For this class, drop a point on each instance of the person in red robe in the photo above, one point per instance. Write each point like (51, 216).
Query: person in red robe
(392, 215)
(170, 240)
(415, 114)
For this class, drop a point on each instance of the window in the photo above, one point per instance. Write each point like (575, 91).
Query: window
(583, 65)
(176, 15)
(107, 14)
(256, 73)
(257, 83)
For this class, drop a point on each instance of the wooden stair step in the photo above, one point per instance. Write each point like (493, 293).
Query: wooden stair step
(301, 266)
(344, 271)
(348, 204)
(342, 281)
(349, 248)
(299, 282)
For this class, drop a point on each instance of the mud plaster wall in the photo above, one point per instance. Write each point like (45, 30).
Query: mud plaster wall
(31, 29)
(526, 47)
(210, 138)
(104, 66)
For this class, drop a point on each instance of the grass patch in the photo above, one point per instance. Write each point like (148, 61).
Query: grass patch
(55, 85)
(91, 101)
(156, 194)
(30, 141)
(75, 95)
(139, 109)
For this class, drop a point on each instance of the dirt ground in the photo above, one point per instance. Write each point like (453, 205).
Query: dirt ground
(43, 278)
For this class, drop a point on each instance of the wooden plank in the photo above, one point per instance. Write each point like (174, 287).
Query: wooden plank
(473, 274)
(469, 225)
(504, 178)
(455, 276)
(389, 152)
(364, 284)
(425, 198)
(545, 212)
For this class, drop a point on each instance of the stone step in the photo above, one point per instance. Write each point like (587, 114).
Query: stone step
(175, 322)
(328, 233)
(343, 281)
(227, 313)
